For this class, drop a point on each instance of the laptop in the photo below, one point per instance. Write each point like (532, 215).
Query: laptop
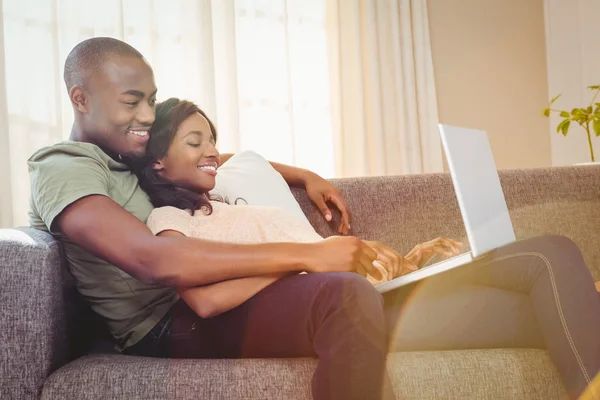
(480, 199)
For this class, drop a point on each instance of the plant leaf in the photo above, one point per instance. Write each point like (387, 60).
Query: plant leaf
(546, 112)
(597, 126)
(589, 110)
(563, 127)
(565, 114)
(581, 115)
(554, 99)
(595, 87)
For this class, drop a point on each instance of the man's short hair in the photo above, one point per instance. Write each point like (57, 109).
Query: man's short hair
(89, 56)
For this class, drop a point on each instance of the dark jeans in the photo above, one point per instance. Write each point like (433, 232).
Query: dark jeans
(533, 293)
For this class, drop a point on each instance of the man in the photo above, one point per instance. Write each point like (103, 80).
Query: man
(85, 194)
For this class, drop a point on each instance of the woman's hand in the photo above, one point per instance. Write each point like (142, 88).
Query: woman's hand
(422, 253)
(320, 192)
(392, 261)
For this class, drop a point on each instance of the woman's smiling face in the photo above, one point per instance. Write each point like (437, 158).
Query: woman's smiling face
(192, 159)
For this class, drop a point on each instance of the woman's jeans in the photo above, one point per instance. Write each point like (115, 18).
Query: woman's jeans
(535, 293)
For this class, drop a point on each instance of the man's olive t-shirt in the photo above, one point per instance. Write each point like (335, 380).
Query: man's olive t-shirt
(66, 172)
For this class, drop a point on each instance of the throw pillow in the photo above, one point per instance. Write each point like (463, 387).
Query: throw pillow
(249, 176)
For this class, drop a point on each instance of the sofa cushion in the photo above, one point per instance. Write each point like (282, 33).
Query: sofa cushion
(139, 378)
(475, 374)
(466, 374)
(248, 176)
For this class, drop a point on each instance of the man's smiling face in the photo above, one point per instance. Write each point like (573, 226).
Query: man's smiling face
(120, 105)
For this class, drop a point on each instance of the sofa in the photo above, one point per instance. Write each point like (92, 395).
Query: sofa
(53, 347)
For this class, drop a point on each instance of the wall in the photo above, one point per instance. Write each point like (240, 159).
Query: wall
(490, 68)
(572, 33)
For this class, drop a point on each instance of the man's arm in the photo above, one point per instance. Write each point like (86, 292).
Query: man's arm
(102, 227)
(99, 225)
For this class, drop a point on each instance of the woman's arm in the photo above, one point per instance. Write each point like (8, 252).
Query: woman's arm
(211, 300)
(102, 227)
(214, 299)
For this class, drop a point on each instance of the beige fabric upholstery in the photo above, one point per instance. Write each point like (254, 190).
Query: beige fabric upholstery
(453, 375)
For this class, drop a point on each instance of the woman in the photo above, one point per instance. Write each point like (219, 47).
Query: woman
(533, 293)
(178, 184)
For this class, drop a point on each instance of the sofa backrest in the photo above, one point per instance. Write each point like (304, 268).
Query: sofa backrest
(403, 211)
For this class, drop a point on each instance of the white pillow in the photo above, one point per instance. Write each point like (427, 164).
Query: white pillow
(247, 175)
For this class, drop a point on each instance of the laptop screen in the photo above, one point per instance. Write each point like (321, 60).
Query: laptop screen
(478, 190)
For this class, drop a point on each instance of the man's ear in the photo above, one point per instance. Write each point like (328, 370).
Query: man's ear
(79, 99)
(158, 166)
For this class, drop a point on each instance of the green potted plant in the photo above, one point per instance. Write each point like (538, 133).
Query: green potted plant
(588, 118)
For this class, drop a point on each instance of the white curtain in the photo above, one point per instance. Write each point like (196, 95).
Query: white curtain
(384, 102)
(313, 83)
(6, 194)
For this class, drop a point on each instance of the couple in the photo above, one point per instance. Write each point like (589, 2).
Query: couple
(164, 290)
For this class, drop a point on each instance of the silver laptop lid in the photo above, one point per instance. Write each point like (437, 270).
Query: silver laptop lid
(480, 197)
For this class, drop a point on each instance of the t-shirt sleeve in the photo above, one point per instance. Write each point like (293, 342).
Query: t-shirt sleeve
(61, 179)
(170, 219)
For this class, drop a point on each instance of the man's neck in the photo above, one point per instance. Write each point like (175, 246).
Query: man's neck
(78, 135)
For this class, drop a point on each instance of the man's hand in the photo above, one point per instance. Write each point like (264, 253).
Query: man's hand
(392, 261)
(422, 253)
(320, 192)
(342, 254)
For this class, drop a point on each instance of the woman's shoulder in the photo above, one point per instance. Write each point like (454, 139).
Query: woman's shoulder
(169, 218)
(222, 210)
(168, 210)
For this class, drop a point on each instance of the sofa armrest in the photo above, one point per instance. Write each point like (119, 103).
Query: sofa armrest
(33, 315)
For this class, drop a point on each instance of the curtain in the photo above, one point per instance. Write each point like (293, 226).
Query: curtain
(6, 194)
(343, 88)
(384, 102)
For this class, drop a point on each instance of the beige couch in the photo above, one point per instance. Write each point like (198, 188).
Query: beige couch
(44, 327)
